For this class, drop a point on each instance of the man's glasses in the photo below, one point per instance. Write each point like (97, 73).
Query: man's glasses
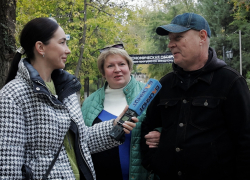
(119, 46)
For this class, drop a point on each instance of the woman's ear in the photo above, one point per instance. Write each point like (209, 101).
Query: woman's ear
(39, 46)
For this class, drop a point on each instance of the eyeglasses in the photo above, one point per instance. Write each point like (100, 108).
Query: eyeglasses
(119, 46)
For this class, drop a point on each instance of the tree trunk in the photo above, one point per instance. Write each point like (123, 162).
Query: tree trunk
(82, 41)
(86, 87)
(7, 38)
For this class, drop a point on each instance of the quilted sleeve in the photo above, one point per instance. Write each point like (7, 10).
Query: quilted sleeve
(12, 139)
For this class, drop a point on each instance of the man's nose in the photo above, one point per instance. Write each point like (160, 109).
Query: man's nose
(171, 44)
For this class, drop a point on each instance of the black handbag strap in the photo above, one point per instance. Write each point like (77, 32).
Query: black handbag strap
(52, 164)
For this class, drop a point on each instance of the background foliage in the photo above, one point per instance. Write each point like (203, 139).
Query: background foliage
(109, 22)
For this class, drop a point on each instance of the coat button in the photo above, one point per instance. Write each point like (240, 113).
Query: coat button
(177, 149)
(181, 124)
(37, 88)
(179, 173)
(184, 101)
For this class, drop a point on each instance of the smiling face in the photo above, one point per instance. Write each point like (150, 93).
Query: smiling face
(116, 71)
(56, 51)
(186, 49)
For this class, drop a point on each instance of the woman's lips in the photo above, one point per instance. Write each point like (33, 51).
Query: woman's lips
(116, 77)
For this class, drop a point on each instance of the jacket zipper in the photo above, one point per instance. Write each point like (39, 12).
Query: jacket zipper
(49, 96)
(77, 131)
(66, 133)
(81, 149)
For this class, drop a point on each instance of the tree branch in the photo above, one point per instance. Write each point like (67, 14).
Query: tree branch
(100, 9)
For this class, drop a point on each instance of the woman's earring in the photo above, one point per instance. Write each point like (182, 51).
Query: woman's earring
(43, 55)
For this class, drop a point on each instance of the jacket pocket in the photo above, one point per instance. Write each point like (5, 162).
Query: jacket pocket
(206, 102)
(168, 109)
(168, 103)
(205, 113)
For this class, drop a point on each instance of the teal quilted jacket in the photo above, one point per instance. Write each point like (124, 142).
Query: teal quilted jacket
(93, 105)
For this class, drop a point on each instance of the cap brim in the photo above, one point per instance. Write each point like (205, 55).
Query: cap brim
(173, 28)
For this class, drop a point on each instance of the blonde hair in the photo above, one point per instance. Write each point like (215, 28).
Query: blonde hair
(113, 51)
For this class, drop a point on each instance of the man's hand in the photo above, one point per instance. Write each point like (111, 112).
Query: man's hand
(153, 139)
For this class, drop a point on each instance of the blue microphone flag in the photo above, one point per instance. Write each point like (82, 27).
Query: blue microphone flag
(138, 105)
(147, 94)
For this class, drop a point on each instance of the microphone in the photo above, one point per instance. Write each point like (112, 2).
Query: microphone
(136, 108)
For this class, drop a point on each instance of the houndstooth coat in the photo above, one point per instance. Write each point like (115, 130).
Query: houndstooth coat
(33, 124)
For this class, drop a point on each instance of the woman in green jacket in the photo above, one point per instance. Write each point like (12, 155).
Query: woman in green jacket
(123, 162)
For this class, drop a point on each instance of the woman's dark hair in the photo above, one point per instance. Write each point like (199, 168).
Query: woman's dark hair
(39, 29)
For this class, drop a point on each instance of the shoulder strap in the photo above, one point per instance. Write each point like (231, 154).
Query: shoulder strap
(52, 163)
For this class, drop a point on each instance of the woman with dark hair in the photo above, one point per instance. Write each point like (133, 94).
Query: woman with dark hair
(42, 133)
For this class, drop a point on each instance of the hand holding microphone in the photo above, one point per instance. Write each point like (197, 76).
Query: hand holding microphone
(128, 126)
(136, 108)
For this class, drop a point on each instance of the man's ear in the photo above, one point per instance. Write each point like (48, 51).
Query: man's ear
(40, 48)
(203, 36)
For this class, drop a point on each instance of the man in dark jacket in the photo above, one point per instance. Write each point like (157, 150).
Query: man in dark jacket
(203, 109)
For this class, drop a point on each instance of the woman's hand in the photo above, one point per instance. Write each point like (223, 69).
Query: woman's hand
(153, 139)
(128, 126)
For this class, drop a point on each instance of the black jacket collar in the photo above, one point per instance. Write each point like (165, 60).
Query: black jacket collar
(205, 73)
(65, 83)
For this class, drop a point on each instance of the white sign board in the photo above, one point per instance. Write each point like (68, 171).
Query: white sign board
(152, 58)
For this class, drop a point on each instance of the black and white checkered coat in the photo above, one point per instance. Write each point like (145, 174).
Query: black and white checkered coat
(33, 124)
